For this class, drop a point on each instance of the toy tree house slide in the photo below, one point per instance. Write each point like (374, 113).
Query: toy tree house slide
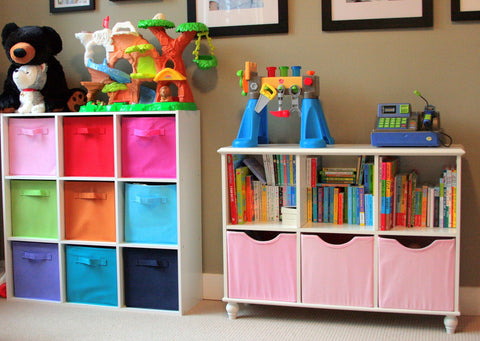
(148, 65)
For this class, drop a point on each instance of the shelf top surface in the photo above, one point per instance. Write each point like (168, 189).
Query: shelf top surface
(345, 149)
(99, 113)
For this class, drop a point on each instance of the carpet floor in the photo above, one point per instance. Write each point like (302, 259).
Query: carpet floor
(23, 320)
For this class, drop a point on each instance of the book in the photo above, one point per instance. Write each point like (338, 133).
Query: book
(268, 166)
(232, 192)
(240, 175)
(320, 191)
(309, 204)
(369, 209)
(341, 204)
(361, 206)
(256, 168)
(249, 209)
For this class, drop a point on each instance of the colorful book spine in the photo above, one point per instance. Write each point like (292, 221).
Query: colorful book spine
(249, 198)
(361, 206)
(232, 192)
(309, 204)
(240, 174)
(340, 207)
(320, 191)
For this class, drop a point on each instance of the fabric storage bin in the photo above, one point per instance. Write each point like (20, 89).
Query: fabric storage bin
(91, 275)
(337, 274)
(32, 146)
(34, 208)
(262, 270)
(149, 147)
(88, 146)
(36, 271)
(90, 211)
(416, 278)
(151, 278)
(151, 213)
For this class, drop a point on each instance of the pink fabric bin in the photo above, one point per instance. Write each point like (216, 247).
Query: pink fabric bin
(32, 146)
(337, 274)
(262, 270)
(149, 147)
(419, 279)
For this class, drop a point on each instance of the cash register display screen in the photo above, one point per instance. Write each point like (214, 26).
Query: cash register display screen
(389, 109)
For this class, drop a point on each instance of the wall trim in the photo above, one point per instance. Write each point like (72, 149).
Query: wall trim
(469, 296)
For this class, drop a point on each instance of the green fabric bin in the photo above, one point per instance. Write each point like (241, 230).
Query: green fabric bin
(34, 208)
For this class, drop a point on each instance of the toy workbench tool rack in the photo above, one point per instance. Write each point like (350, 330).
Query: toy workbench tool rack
(261, 90)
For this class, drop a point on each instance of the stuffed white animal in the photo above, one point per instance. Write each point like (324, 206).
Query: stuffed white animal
(30, 79)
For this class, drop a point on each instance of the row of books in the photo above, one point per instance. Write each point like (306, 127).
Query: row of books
(340, 205)
(256, 196)
(362, 174)
(276, 170)
(406, 203)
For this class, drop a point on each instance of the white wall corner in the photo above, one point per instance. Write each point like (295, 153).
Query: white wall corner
(469, 296)
(469, 300)
(212, 286)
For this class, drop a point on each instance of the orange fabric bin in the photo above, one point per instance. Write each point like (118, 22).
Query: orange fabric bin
(90, 211)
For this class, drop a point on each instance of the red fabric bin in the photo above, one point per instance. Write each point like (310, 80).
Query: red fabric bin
(88, 146)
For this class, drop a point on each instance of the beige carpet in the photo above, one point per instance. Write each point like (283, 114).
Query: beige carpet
(43, 321)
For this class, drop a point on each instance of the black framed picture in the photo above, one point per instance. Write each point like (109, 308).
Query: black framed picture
(465, 10)
(240, 17)
(58, 6)
(340, 15)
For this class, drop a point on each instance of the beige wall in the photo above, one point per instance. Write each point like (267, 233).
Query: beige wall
(357, 70)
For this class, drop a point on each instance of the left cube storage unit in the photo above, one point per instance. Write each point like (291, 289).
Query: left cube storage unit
(103, 208)
(36, 270)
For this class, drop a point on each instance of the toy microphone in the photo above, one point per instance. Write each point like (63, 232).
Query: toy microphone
(429, 112)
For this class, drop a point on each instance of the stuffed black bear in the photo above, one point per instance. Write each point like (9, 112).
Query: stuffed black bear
(34, 45)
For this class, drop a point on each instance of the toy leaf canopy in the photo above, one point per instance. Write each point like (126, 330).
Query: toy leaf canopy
(192, 26)
(156, 23)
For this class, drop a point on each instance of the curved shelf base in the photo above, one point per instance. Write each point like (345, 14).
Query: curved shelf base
(232, 310)
(451, 323)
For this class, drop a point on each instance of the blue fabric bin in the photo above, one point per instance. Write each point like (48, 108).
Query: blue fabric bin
(91, 275)
(151, 278)
(151, 213)
(35, 271)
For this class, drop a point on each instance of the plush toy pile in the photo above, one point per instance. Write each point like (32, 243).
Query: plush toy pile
(34, 45)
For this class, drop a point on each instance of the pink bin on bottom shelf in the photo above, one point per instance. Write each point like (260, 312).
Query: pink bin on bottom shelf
(419, 279)
(32, 146)
(337, 274)
(262, 270)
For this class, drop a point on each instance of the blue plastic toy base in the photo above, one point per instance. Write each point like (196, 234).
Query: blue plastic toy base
(314, 129)
(405, 139)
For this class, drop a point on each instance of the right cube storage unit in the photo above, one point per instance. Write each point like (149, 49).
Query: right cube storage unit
(373, 229)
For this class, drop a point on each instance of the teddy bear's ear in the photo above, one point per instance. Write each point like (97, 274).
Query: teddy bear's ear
(54, 40)
(7, 30)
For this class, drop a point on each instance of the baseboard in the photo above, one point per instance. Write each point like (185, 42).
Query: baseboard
(469, 296)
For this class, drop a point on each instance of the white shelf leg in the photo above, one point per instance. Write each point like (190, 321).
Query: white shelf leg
(451, 323)
(232, 310)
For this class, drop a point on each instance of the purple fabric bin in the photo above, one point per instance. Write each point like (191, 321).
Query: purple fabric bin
(35, 271)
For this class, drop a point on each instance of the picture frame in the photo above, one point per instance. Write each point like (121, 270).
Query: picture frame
(463, 10)
(380, 14)
(263, 17)
(61, 6)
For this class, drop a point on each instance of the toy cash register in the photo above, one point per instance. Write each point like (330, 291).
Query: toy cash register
(397, 126)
